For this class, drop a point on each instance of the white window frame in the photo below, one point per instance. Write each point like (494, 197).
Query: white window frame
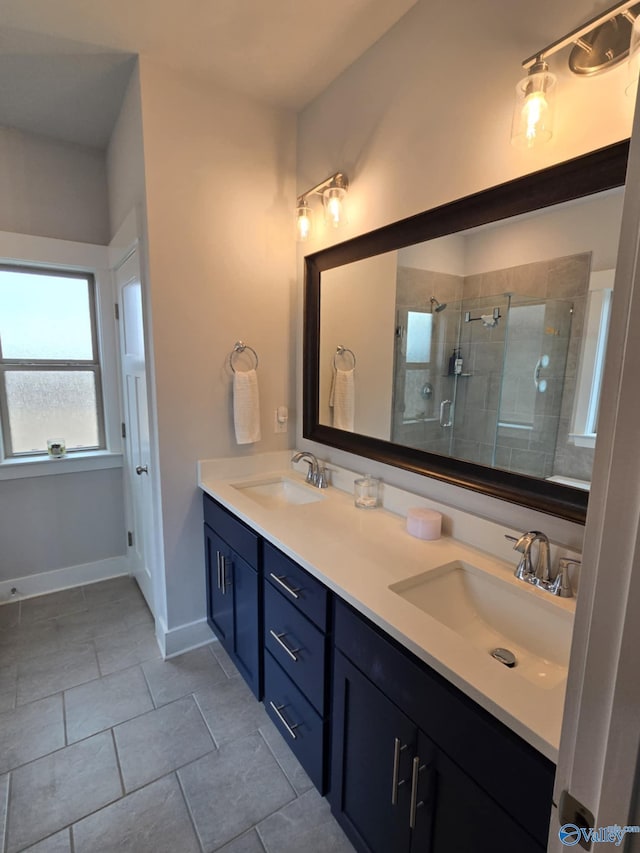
(596, 328)
(47, 253)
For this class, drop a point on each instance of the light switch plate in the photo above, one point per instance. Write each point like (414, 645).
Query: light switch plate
(280, 419)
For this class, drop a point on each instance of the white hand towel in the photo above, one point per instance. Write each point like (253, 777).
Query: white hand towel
(342, 399)
(246, 407)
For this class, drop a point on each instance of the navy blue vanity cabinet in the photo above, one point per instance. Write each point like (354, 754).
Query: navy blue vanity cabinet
(296, 658)
(232, 552)
(416, 766)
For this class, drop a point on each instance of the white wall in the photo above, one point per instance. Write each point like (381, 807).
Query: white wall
(59, 521)
(219, 172)
(125, 159)
(357, 310)
(588, 225)
(424, 118)
(54, 522)
(52, 189)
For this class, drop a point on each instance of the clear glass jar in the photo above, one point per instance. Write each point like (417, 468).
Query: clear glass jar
(366, 492)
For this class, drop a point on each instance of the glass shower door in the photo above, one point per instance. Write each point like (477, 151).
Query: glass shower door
(424, 383)
(533, 381)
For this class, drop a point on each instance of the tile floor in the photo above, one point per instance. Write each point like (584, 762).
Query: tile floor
(106, 748)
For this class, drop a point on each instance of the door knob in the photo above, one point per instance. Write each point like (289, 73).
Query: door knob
(142, 469)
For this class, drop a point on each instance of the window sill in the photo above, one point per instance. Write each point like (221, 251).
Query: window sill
(37, 466)
(583, 439)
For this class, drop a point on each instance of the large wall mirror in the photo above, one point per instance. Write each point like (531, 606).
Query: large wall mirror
(467, 343)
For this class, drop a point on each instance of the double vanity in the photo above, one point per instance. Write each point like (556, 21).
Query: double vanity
(420, 683)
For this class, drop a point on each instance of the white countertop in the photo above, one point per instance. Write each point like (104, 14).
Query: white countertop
(359, 553)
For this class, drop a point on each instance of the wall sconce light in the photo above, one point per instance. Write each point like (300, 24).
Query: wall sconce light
(333, 191)
(599, 45)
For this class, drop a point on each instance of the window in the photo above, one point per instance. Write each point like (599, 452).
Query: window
(50, 382)
(587, 401)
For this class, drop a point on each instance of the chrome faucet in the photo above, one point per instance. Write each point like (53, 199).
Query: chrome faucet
(316, 474)
(538, 573)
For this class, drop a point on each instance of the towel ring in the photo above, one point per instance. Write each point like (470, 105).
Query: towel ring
(340, 350)
(239, 347)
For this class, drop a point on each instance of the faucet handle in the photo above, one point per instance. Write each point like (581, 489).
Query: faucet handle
(561, 585)
(323, 477)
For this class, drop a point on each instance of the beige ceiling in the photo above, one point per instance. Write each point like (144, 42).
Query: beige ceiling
(284, 52)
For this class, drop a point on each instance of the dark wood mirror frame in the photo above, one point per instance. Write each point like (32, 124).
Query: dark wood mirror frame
(583, 176)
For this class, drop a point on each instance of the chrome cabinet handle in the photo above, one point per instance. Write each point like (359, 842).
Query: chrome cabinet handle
(415, 805)
(142, 469)
(280, 579)
(289, 727)
(395, 784)
(223, 573)
(446, 423)
(219, 568)
(280, 641)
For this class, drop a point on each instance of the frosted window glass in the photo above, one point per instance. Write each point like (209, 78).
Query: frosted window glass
(418, 336)
(45, 316)
(52, 404)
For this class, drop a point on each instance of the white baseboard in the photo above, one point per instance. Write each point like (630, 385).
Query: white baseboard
(183, 638)
(44, 582)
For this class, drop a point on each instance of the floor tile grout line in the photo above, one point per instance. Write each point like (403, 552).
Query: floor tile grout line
(146, 679)
(169, 772)
(64, 719)
(280, 765)
(123, 796)
(5, 830)
(185, 800)
(117, 754)
(260, 839)
(204, 720)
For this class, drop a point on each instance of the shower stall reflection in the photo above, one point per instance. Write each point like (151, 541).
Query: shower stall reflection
(483, 380)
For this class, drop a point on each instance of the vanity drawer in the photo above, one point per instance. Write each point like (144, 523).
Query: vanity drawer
(308, 594)
(300, 725)
(241, 538)
(297, 645)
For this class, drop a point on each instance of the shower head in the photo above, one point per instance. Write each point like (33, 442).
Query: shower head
(437, 306)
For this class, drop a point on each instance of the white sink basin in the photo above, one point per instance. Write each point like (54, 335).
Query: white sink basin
(278, 491)
(489, 612)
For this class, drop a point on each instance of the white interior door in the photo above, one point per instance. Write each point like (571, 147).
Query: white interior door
(600, 743)
(137, 456)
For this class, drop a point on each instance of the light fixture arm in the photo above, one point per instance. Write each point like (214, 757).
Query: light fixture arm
(339, 180)
(575, 36)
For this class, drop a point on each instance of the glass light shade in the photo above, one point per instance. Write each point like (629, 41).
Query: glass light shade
(333, 198)
(633, 63)
(303, 221)
(534, 109)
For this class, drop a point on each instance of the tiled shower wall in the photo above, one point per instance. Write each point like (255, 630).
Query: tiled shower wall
(415, 420)
(546, 448)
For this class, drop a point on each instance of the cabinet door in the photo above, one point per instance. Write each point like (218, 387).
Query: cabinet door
(241, 584)
(468, 820)
(372, 754)
(219, 594)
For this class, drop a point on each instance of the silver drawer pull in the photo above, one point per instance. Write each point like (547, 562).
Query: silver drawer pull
(395, 784)
(290, 728)
(280, 579)
(415, 805)
(280, 641)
